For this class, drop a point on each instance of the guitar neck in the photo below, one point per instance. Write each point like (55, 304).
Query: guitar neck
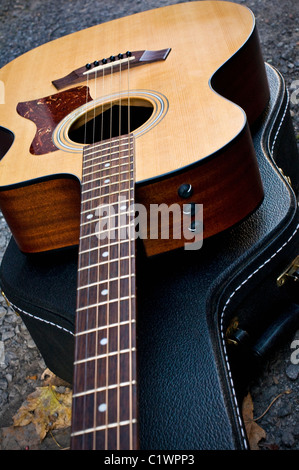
(104, 412)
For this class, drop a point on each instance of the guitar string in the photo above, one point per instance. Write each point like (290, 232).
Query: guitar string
(118, 263)
(95, 371)
(130, 259)
(132, 157)
(88, 275)
(108, 228)
(108, 268)
(93, 195)
(102, 160)
(95, 405)
(107, 332)
(107, 310)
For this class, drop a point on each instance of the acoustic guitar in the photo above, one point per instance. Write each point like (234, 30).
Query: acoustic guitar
(155, 109)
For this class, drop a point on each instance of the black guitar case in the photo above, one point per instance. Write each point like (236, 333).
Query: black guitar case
(205, 318)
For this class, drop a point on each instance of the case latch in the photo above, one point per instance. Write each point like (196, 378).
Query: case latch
(290, 274)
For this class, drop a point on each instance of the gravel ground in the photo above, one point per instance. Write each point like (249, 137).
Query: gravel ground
(26, 24)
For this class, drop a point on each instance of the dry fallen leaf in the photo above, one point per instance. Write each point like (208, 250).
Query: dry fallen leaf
(254, 432)
(47, 409)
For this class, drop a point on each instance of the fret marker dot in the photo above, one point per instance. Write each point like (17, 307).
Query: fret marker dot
(90, 216)
(104, 292)
(104, 341)
(107, 180)
(105, 254)
(107, 164)
(102, 407)
(123, 208)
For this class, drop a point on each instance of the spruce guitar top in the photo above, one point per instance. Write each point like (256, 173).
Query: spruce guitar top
(154, 109)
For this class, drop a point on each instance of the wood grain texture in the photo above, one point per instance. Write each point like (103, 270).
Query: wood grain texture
(56, 222)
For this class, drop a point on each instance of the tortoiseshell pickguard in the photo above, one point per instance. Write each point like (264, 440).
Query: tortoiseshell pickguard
(47, 112)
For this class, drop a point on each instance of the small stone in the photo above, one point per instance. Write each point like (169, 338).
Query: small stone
(8, 378)
(285, 409)
(7, 335)
(2, 312)
(31, 344)
(288, 439)
(292, 371)
(2, 353)
(3, 384)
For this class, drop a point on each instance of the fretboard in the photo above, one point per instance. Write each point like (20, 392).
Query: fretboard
(104, 411)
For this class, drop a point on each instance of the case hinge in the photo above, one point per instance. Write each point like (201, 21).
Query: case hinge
(290, 274)
(5, 298)
(287, 178)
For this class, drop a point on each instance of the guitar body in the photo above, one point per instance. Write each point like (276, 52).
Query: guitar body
(191, 119)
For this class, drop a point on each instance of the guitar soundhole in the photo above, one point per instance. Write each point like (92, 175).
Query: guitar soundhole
(110, 120)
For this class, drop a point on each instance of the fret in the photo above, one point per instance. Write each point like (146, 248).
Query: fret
(107, 182)
(117, 286)
(109, 178)
(117, 228)
(123, 168)
(98, 199)
(106, 170)
(123, 213)
(108, 199)
(99, 146)
(110, 425)
(96, 148)
(118, 243)
(99, 439)
(114, 187)
(109, 292)
(99, 234)
(105, 371)
(97, 304)
(106, 340)
(104, 327)
(110, 268)
(106, 174)
(113, 231)
(100, 158)
(101, 356)
(121, 201)
(111, 263)
(106, 156)
(98, 316)
(105, 281)
(109, 401)
(104, 254)
(101, 230)
(102, 389)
